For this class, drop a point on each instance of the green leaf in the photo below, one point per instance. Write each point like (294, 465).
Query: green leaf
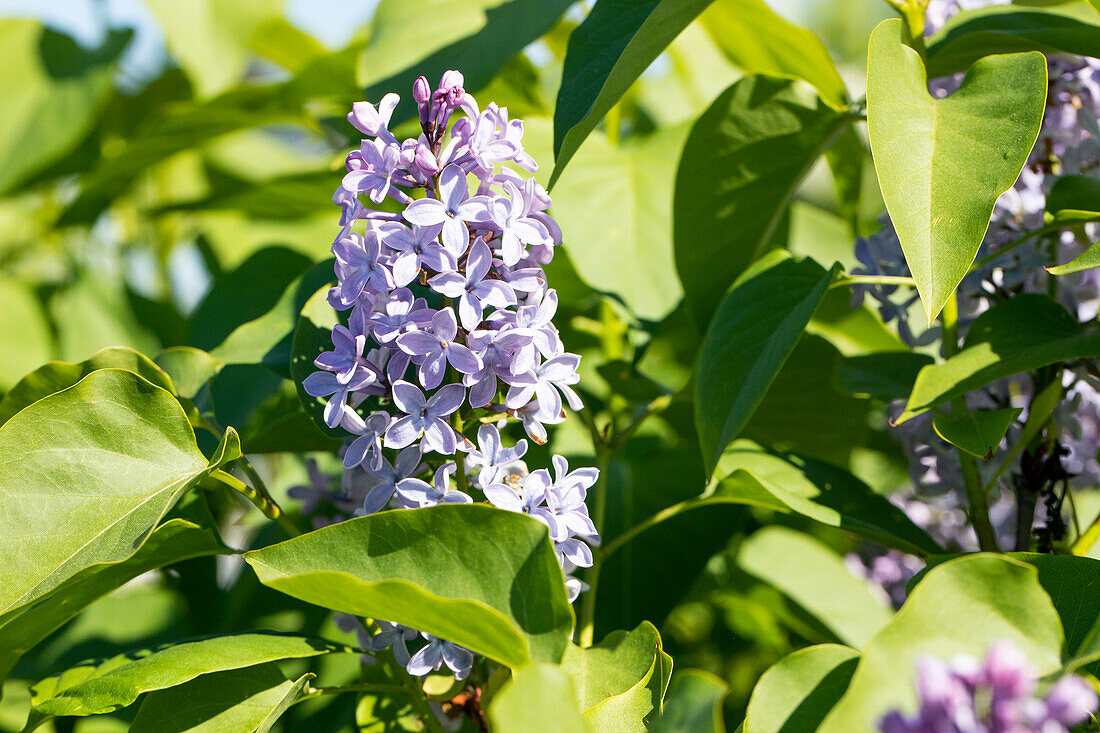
(85, 475)
(616, 205)
(234, 701)
(973, 34)
(942, 163)
(209, 38)
(607, 52)
(24, 332)
(621, 681)
(1072, 583)
(267, 339)
(798, 691)
(248, 292)
(55, 93)
(478, 576)
(539, 699)
(175, 540)
(1074, 198)
(1021, 334)
(978, 432)
(117, 682)
(886, 376)
(189, 368)
(693, 703)
(752, 334)
(761, 42)
(410, 38)
(1087, 260)
(92, 313)
(796, 485)
(961, 607)
(742, 162)
(814, 576)
(58, 375)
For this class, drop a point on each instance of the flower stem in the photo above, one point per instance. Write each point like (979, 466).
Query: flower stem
(1087, 540)
(376, 687)
(846, 280)
(257, 494)
(975, 492)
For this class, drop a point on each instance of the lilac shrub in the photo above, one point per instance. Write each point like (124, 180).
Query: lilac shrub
(448, 328)
(994, 695)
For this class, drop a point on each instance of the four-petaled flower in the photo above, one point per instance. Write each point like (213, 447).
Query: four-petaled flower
(425, 417)
(453, 209)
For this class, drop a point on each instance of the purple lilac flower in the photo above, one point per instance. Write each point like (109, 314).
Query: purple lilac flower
(997, 695)
(473, 244)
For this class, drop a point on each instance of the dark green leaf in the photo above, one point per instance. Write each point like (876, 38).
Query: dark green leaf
(410, 38)
(752, 334)
(234, 701)
(942, 163)
(761, 42)
(961, 607)
(1024, 333)
(815, 577)
(797, 692)
(85, 476)
(117, 682)
(742, 162)
(978, 432)
(886, 376)
(478, 576)
(58, 375)
(607, 52)
(1007, 29)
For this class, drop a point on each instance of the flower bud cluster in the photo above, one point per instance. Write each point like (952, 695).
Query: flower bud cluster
(994, 695)
(448, 319)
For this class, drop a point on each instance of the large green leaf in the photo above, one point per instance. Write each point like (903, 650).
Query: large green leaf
(234, 701)
(58, 375)
(887, 376)
(759, 41)
(615, 205)
(607, 52)
(752, 334)
(410, 38)
(814, 576)
(797, 692)
(961, 607)
(86, 474)
(24, 332)
(538, 699)
(114, 683)
(478, 576)
(1007, 29)
(620, 682)
(942, 163)
(175, 540)
(1023, 333)
(814, 489)
(693, 703)
(209, 38)
(54, 93)
(742, 162)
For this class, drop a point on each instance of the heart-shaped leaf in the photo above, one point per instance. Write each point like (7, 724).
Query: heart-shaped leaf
(977, 432)
(942, 163)
(539, 699)
(475, 575)
(86, 474)
(693, 703)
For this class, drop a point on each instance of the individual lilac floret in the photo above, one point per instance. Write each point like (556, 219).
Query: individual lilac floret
(529, 498)
(392, 636)
(327, 384)
(996, 695)
(425, 417)
(416, 493)
(435, 347)
(454, 210)
(472, 289)
(369, 443)
(438, 652)
(388, 476)
(489, 461)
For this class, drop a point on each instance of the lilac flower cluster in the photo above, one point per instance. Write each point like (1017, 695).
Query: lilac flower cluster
(996, 695)
(449, 319)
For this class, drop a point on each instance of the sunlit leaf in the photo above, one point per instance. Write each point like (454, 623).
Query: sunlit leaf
(978, 432)
(798, 691)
